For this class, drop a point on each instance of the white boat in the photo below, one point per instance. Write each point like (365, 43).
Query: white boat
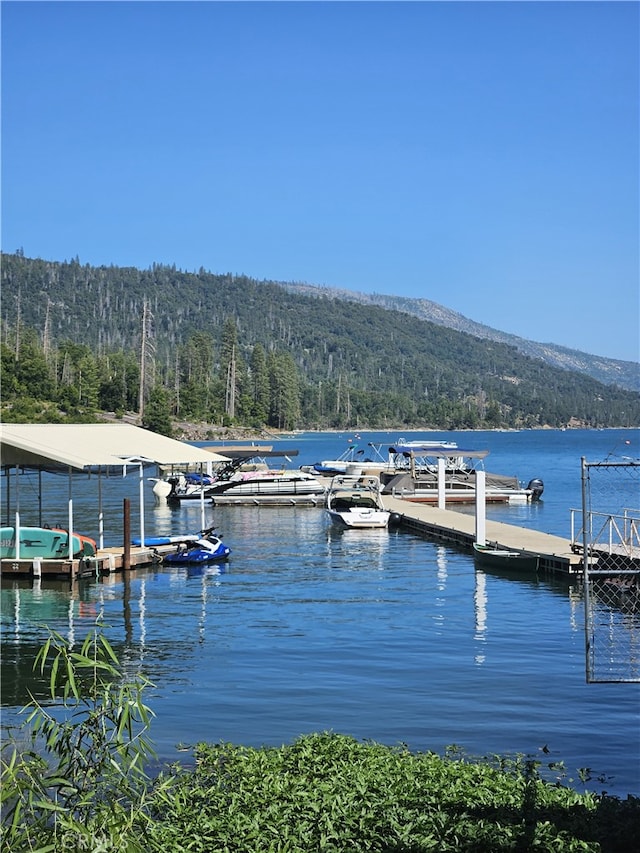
(352, 456)
(267, 482)
(354, 461)
(356, 502)
(416, 479)
(183, 485)
(244, 476)
(424, 444)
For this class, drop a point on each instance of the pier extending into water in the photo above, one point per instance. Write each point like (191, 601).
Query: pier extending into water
(456, 528)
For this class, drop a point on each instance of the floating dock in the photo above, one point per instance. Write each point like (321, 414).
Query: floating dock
(457, 528)
(107, 560)
(269, 500)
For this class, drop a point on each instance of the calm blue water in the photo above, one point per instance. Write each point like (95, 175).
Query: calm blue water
(378, 634)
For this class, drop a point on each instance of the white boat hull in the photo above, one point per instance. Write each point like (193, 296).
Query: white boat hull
(361, 518)
(259, 486)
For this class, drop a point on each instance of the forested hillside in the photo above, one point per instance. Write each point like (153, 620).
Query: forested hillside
(227, 348)
(611, 371)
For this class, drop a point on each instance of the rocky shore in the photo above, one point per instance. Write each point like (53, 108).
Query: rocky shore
(194, 431)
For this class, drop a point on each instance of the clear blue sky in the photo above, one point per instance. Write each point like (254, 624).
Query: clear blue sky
(484, 155)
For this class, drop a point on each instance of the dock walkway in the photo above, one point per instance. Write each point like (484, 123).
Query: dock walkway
(460, 529)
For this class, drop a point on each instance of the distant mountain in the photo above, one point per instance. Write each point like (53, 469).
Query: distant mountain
(610, 371)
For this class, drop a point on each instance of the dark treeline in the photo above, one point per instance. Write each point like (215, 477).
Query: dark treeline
(227, 349)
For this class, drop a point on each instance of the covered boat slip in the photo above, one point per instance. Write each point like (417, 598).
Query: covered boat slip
(95, 450)
(448, 475)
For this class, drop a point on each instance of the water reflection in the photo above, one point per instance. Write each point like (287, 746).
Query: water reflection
(357, 549)
(480, 610)
(381, 634)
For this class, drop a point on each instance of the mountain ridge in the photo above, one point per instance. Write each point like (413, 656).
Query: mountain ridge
(607, 370)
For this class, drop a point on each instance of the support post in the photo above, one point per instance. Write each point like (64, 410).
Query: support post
(40, 497)
(141, 490)
(201, 498)
(586, 546)
(100, 513)
(17, 533)
(70, 532)
(481, 509)
(126, 526)
(442, 500)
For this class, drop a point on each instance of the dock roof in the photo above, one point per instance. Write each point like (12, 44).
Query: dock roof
(58, 447)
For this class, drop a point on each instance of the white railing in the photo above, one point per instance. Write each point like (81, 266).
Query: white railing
(612, 533)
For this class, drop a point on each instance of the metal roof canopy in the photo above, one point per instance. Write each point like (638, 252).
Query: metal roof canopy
(251, 451)
(60, 448)
(446, 452)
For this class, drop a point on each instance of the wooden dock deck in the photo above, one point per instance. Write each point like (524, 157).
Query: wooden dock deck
(106, 561)
(458, 528)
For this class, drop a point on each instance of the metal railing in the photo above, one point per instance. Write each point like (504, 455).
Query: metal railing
(610, 533)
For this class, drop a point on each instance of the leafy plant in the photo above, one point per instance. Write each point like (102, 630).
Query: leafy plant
(329, 792)
(83, 775)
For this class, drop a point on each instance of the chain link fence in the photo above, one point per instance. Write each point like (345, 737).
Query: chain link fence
(609, 540)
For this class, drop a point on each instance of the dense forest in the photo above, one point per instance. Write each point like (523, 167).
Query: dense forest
(228, 349)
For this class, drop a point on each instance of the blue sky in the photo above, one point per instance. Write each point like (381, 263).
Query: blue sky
(484, 155)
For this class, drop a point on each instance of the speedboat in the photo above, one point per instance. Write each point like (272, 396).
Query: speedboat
(188, 484)
(246, 476)
(351, 456)
(354, 501)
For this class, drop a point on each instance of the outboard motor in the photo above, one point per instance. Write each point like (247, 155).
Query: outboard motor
(172, 496)
(537, 488)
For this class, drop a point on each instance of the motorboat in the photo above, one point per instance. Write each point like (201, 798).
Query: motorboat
(182, 485)
(501, 558)
(245, 476)
(417, 475)
(266, 482)
(354, 501)
(354, 461)
(46, 543)
(352, 456)
(423, 444)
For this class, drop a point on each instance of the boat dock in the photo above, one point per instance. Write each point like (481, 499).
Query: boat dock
(269, 500)
(457, 528)
(106, 561)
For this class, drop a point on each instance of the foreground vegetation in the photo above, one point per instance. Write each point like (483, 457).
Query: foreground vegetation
(81, 785)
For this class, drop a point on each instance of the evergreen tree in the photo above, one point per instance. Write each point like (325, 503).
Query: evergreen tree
(157, 412)
(260, 389)
(284, 412)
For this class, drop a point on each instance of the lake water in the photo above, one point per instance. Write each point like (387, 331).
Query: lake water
(378, 634)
